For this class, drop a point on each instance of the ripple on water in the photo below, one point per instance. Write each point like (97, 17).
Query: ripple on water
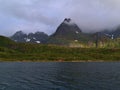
(60, 76)
(4, 86)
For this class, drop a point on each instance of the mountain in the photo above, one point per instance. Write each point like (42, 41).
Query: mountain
(37, 37)
(116, 32)
(68, 32)
(111, 34)
(19, 36)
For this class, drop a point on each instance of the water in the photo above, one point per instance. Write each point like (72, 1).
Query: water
(59, 76)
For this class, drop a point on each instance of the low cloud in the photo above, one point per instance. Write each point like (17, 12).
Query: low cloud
(46, 15)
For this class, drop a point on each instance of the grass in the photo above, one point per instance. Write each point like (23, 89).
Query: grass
(36, 52)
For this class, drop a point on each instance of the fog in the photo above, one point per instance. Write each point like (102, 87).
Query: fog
(46, 15)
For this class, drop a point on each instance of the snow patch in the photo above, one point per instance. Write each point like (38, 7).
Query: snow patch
(76, 32)
(27, 39)
(111, 36)
(38, 42)
(76, 40)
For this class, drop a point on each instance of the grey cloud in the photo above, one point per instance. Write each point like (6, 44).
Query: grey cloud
(25, 11)
(46, 15)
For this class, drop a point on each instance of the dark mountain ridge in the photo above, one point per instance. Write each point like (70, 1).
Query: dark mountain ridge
(37, 37)
(67, 29)
(67, 32)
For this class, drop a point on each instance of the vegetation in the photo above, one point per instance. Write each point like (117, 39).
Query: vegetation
(5, 42)
(36, 52)
(11, 51)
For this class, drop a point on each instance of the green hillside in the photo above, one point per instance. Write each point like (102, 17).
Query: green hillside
(11, 51)
(5, 47)
(5, 42)
(36, 52)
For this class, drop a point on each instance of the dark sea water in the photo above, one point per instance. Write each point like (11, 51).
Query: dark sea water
(59, 76)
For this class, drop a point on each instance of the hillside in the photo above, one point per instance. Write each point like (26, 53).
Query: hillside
(11, 51)
(68, 32)
(5, 46)
(5, 41)
(36, 52)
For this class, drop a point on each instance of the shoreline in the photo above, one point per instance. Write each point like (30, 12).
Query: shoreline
(60, 61)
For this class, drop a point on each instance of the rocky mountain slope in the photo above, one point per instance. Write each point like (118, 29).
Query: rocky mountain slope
(68, 32)
(37, 37)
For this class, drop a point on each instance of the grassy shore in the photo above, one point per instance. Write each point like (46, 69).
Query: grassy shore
(50, 53)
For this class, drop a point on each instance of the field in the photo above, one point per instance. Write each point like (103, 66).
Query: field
(11, 51)
(37, 52)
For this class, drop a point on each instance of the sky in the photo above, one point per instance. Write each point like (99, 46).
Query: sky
(46, 15)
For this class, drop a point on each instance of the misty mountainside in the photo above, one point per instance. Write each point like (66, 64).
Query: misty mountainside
(111, 34)
(37, 37)
(68, 32)
(67, 29)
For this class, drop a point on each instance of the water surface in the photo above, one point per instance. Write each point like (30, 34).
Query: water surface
(60, 76)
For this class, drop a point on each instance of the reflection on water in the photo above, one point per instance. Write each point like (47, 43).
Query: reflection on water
(59, 76)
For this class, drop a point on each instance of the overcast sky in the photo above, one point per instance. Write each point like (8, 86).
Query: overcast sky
(46, 15)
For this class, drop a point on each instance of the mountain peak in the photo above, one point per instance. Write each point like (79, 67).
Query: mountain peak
(37, 37)
(68, 21)
(67, 30)
(18, 33)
